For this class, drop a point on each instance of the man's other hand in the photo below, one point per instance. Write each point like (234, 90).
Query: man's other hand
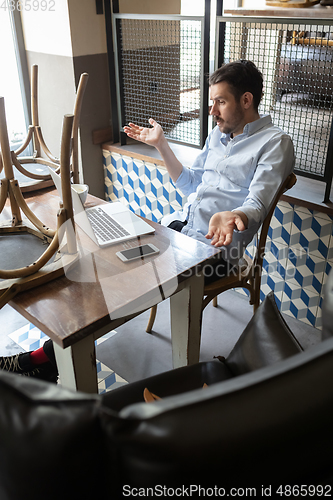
(222, 225)
(153, 136)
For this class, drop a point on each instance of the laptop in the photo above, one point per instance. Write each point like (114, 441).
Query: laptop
(105, 224)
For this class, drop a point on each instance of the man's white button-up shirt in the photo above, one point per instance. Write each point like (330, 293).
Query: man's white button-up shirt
(241, 173)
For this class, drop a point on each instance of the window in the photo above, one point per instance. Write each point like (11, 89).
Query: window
(11, 85)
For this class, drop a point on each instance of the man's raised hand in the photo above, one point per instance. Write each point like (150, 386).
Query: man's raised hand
(153, 136)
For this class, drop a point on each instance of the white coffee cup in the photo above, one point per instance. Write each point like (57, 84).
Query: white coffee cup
(82, 191)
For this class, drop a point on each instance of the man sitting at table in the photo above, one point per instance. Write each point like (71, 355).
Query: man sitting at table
(230, 186)
(234, 179)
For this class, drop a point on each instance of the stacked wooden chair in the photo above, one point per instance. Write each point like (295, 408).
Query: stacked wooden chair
(42, 155)
(42, 269)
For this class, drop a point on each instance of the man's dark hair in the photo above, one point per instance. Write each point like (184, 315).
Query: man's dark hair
(242, 76)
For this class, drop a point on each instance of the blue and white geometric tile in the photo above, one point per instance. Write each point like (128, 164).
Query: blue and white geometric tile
(162, 177)
(127, 163)
(175, 206)
(304, 210)
(158, 207)
(113, 381)
(301, 303)
(150, 171)
(156, 189)
(138, 167)
(109, 177)
(102, 371)
(242, 291)
(268, 284)
(139, 199)
(128, 194)
(271, 282)
(108, 185)
(117, 189)
(29, 337)
(144, 211)
(111, 197)
(275, 259)
(322, 215)
(122, 176)
(287, 207)
(151, 203)
(106, 158)
(311, 233)
(169, 192)
(107, 379)
(134, 181)
(305, 270)
(115, 157)
(302, 219)
(280, 226)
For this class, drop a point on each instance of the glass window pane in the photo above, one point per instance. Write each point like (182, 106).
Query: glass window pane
(9, 82)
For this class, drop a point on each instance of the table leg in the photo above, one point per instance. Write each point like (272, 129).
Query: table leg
(77, 365)
(186, 315)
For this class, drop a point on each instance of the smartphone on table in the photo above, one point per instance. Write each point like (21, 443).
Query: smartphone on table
(137, 252)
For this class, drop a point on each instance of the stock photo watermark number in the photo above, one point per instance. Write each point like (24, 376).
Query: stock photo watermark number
(28, 5)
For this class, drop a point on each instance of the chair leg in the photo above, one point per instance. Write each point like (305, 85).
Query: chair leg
(215, 301)
(256, 300)
(152, 317)
(256, 292)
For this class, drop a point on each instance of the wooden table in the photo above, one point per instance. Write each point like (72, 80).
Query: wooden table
(101, 292)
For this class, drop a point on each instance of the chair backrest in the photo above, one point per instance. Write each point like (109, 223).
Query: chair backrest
(261, 242)
(42, 153)
(239, 431)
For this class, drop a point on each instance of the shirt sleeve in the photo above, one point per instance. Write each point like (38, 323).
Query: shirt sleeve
(275, 164)
(190, 178)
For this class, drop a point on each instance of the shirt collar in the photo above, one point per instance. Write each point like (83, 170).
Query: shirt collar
(250, 128)
(253, 127)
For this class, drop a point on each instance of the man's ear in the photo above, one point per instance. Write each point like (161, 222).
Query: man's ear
(247, 99)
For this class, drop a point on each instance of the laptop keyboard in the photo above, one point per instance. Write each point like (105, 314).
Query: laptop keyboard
(104, 226)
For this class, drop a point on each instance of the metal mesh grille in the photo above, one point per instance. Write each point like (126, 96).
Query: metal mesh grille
(160, 75)
(296, 61)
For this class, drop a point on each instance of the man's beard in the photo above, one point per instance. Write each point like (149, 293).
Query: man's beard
(231, 127)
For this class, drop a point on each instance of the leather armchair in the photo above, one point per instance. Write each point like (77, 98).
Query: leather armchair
(264, 420)
(266, 340)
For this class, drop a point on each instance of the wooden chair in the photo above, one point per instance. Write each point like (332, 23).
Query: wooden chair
(40, 271)
(248, 273)
(35, 135)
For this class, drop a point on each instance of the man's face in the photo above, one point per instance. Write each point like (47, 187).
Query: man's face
(227, 112)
